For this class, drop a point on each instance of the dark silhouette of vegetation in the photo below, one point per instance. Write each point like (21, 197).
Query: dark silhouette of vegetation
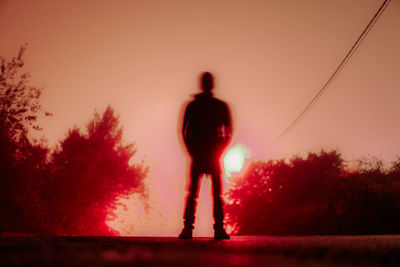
(87, 173)
(319, 194)
(67, 191)
(21, 160)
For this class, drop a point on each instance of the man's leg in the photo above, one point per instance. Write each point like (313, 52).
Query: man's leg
(219, 231)
(216, 188)
(191, 200)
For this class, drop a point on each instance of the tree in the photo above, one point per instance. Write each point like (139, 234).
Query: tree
(73, 191)
(19, 101)
(318, 194)
(88, 172)
(20, 158)
(285, 197)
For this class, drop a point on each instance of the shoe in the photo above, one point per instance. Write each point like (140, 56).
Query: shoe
(220, 234)
(186, 233)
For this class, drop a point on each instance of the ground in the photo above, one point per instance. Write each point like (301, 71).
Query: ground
(169, 251)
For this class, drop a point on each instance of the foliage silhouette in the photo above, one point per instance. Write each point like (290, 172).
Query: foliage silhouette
(21, 159)
(71, 190)
(19, 101)
(88, 172)
(318, 194)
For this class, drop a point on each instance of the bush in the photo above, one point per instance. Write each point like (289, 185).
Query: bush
(315, 195)
(87, 174)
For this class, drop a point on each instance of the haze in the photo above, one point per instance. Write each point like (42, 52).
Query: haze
(269, 58)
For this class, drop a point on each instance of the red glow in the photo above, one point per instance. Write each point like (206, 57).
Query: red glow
(128, 208)
(235, 159)
(130, 217)
(164, 218)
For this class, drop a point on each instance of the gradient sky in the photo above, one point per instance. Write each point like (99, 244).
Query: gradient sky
(269, 59)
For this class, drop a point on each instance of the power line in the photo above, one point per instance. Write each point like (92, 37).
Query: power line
(338, 69)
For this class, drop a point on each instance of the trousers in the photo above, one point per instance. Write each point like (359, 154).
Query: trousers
(199, 167)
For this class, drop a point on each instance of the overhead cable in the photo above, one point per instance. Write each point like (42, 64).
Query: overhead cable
(360, 38)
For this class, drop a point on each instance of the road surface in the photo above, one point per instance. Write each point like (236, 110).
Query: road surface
(169, 251)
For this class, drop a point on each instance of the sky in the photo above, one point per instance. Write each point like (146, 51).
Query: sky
(269, 58)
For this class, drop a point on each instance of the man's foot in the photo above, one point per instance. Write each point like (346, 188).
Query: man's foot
(187, 233)
(220, 234)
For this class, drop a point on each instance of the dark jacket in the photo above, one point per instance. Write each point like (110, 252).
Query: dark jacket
(207, 126)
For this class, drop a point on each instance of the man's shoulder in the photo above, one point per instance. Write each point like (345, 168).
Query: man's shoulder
(207, 99)
(220, 103)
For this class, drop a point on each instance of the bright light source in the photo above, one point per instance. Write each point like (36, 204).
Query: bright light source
(234, 159)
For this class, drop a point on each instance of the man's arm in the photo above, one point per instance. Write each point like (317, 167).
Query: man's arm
(228, 123)
(185, 125)
(226, 129)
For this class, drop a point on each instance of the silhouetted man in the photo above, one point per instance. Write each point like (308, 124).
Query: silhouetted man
(206, 131)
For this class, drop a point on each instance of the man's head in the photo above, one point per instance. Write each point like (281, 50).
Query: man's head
(207, 81)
